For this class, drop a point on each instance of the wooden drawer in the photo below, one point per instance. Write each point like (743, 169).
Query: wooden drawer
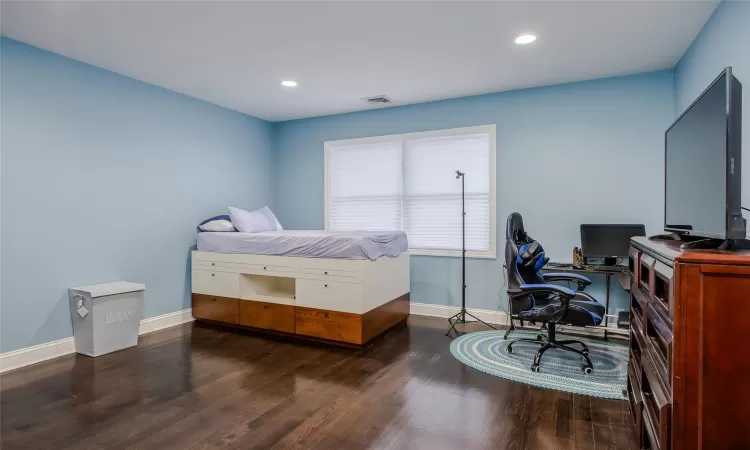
(212, 307)
(634, 262)
(662, 291)
(330, 273)
(638, 303)
(336, 326)
(330, 295)
(646, 273)
(657, 407)
(647, 433)
(222, 284)
(659, 344)
(635, 397)
(269, 316)
(636, 347)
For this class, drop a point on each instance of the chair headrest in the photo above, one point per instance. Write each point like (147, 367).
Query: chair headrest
(514, 227)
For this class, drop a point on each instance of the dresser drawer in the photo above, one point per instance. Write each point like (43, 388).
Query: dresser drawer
(269, 316)
(332, 325)
(638, 303)
(330, 295)
(636, 348)
(635, 397)
(223, 284)
(659, 343)
(634, 263)
(657, 406)
(646, 273)
(662, 291)
(220, 309)
(647, 433)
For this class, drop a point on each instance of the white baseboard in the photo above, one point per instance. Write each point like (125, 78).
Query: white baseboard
(489, 316)
(167, 320)
(501, 318)
(42, 352)
(38, 353)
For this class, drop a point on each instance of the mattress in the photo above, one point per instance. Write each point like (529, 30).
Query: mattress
(309, 244)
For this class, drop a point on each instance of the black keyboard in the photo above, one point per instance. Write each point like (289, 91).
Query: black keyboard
(602, 267)
(610, 268)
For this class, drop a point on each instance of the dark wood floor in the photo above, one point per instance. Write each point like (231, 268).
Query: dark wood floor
(198, 387)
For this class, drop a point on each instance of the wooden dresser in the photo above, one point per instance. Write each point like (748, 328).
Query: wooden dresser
(689, 364)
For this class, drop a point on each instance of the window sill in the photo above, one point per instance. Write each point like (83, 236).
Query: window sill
(451, 254)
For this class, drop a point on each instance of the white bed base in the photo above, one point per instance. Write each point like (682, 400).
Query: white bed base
(351, 286)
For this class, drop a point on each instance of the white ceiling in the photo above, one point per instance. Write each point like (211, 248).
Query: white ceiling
(235, 54)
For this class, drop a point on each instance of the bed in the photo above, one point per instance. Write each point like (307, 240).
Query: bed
(307, 243)
(343, 287)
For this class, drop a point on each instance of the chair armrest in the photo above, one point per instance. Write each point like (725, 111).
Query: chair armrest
(525, 289)
(565, 276)
(563, 294)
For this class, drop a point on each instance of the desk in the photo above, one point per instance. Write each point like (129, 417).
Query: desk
(622, 277)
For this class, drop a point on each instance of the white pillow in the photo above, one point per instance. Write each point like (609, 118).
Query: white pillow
(217, 226)
(253, 221)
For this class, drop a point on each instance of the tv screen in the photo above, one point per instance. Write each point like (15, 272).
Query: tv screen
(702, 165)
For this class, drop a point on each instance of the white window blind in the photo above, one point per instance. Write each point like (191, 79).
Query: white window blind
(365, 187)
(409, 183)
(432, 193)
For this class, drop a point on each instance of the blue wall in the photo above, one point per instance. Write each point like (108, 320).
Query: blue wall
(724, 41)
(104, 178)
(557, 147)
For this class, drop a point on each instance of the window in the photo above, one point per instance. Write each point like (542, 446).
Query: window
(408, 182)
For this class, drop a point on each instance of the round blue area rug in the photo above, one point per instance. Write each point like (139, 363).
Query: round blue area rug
(487, 351)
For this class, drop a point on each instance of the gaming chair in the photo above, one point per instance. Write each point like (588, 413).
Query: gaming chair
(534, 299)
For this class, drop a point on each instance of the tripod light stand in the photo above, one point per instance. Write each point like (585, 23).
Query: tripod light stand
(460, 317)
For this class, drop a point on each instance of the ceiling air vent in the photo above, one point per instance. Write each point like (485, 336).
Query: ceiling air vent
(379, 99)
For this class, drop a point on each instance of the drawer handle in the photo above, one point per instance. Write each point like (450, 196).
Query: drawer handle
(213, 264)
(326, 315)
(213, 274)
(265, 306)
(325, 285)
(326, 273)
(264, 268)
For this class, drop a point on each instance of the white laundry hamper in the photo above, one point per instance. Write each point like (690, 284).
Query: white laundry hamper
(106, 317)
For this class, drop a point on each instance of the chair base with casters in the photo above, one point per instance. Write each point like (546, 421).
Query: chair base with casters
(549, 341)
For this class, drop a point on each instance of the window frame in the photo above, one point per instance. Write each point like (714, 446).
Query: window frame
(452, 132)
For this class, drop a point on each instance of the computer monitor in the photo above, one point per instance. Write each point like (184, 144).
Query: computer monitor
(608, 241)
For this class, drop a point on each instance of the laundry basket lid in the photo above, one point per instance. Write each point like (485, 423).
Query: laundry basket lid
(105, 289)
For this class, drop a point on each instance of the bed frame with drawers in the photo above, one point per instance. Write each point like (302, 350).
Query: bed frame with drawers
(340, 301)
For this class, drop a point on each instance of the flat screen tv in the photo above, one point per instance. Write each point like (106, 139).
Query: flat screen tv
(703, 160)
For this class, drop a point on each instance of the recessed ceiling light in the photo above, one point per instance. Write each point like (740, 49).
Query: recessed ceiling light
(289, 83)
(525, 39)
